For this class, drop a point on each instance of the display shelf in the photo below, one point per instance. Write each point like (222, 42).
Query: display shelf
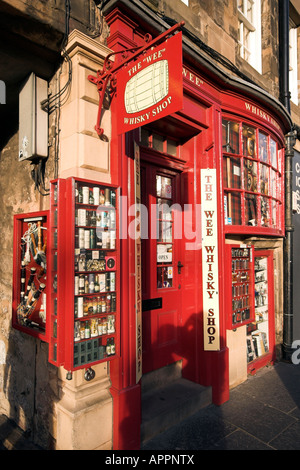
(240, 288)
(93, 300)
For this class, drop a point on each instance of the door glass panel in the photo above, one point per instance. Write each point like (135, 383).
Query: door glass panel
(164, 248)
(258, 332)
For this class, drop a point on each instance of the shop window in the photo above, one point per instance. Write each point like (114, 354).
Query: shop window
(165, 232)
(249, 15)
(293, 63)
(251, 177)
(158, 142)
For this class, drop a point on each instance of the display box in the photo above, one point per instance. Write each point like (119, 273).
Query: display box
(239, 289)
(30, 274)
(84, 273)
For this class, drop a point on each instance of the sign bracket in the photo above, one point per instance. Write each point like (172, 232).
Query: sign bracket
(109, 72)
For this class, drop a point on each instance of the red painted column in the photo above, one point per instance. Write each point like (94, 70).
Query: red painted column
(125, 391)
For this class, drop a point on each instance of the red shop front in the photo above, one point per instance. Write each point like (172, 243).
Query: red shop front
(210, 178)
(195, 232)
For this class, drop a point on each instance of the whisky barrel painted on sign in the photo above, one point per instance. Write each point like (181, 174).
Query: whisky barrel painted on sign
(147, 87)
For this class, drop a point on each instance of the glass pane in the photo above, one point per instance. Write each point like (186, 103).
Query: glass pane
(232, 172)
(263, 147)
(250, 209)
(250, 175)
(230, 136)
(145, 137)
(164, 253)
(164, 277)
(249, 13)
(273, 152)
(164, 231)
(246, 42)
(274, 214)
(164, 247)
(158, 142)
(249, 141)
(171, 147)
(234, 209)
(163, 187)
(265, 213)
(273, 182)
(164, 209)
(264, 179)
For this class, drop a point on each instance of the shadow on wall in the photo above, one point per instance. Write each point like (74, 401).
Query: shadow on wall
(26, 386)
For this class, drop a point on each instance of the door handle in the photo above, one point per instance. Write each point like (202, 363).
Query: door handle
(179, 266)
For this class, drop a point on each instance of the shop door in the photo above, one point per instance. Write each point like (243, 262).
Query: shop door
(261, 333)
(161, 266)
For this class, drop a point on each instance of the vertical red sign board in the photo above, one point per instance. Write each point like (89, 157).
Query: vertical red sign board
(150, 87)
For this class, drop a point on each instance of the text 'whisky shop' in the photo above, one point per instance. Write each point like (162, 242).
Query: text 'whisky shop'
(150, 212)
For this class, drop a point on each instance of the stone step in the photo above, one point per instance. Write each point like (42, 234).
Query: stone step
(165, 406)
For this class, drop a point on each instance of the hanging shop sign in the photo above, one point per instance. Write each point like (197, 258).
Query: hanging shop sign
(147, 84)
(210, 270)
(151, 87)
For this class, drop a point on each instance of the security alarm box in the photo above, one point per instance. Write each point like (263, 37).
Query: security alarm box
(33, 120)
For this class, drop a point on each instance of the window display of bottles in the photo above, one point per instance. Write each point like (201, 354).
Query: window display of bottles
(258, 332)
(30, 286)
(83, 272)
(241, 306)
(95, 298)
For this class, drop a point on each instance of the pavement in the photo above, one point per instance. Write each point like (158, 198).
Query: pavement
(263, 413)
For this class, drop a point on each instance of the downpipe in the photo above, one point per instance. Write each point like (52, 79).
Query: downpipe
(290, 139)
(287, 350)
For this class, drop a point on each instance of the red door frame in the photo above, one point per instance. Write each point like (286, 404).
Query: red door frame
(160, 355)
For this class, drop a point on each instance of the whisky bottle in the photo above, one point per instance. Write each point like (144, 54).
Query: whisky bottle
(97, 286)
(91, 197)
(87, 330)
(81, 284)
(112, 346)
(80, 195)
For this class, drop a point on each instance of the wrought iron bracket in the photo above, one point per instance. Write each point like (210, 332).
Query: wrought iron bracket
(108, 74)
